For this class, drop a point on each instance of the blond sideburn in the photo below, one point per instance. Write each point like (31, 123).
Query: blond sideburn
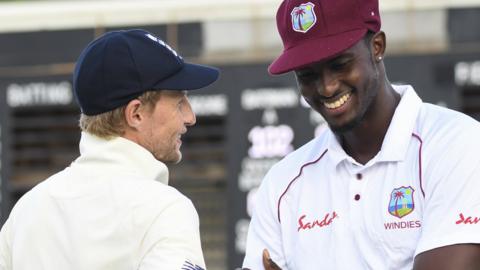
(112, 124)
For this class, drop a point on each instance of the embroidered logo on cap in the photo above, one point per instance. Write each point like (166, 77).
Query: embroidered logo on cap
(303, 17)
(401, 202)
(161, 42)
(190, 266)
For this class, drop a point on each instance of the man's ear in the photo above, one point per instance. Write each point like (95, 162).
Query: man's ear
(134, 113)
(379, 44)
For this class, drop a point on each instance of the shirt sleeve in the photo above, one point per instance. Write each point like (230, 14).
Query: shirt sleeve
(264, 231)
(451, 213)
(173, 240)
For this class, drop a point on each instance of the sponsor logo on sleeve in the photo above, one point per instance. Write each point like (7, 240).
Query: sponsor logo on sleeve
(467, 219)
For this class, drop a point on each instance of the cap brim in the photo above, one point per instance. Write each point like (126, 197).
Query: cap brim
(190, 77)
(314, 51)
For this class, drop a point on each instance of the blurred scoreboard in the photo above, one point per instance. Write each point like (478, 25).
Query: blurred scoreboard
(38, 129)
(267, 120)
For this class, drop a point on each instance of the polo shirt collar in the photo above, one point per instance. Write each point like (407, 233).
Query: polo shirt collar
(398, 136)
(120, 155)
(399, 133)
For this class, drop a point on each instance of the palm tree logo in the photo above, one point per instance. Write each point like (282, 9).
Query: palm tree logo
(299, 15)
(401, 202)
(303, 17)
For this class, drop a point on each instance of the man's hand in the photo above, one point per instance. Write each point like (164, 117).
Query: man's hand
(268, 263)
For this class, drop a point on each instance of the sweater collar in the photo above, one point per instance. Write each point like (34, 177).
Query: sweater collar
(120, 155)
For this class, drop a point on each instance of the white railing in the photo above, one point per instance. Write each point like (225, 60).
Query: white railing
(52, 15)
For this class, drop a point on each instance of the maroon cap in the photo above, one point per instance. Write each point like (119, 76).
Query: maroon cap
(318, 29)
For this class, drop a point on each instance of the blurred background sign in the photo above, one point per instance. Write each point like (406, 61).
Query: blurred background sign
(265, 124)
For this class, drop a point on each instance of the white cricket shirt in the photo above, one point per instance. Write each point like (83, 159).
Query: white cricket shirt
(320, 209)
(111, 209)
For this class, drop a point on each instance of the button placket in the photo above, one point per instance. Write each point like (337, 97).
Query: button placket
(355, 197)
(356, 187)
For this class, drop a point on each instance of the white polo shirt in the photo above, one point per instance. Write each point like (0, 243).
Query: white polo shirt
(111, 209)
(320, 209)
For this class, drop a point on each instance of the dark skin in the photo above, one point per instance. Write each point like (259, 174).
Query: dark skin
(352, 92)
(362, 122)
(268, 263)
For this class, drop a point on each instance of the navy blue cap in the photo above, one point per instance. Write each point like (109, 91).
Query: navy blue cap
(121, 65)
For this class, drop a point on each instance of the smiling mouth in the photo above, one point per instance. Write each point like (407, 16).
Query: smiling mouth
(337, 103)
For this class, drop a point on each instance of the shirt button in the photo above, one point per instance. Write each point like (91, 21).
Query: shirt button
(359, 176)
(357, 197)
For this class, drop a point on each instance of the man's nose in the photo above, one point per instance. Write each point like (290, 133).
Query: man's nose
(328, 84)
(189, 117)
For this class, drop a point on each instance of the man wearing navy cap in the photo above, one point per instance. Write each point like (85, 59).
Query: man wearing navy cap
(112, 207)
(391, 184)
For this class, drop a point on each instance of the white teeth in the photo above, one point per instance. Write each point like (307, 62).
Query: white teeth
(339, 102)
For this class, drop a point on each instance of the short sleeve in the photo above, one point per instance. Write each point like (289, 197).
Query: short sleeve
(173, 240)
(451, 213)
(264, 231)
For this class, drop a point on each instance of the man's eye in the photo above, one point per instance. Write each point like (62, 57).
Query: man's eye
(305, 76)
(339, 65)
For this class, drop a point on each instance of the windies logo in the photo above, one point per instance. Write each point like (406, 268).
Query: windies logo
(401, 202)
(303, 17)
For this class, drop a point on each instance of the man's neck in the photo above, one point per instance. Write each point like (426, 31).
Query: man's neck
(364, 141)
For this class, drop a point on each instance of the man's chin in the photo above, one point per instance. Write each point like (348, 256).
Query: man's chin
(340, 129)
(176, 161)
(172, 159)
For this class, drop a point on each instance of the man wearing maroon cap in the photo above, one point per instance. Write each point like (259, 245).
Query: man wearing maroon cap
(392, 184)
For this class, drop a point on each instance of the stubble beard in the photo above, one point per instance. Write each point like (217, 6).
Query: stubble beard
(373, 85)
(348, 126)
(173, 156)
(366, 107)
(169, 154)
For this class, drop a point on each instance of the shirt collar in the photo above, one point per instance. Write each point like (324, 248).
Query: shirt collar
(399, 133)
(120, 154)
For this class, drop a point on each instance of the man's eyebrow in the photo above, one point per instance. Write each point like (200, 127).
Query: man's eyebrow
(345, 56)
